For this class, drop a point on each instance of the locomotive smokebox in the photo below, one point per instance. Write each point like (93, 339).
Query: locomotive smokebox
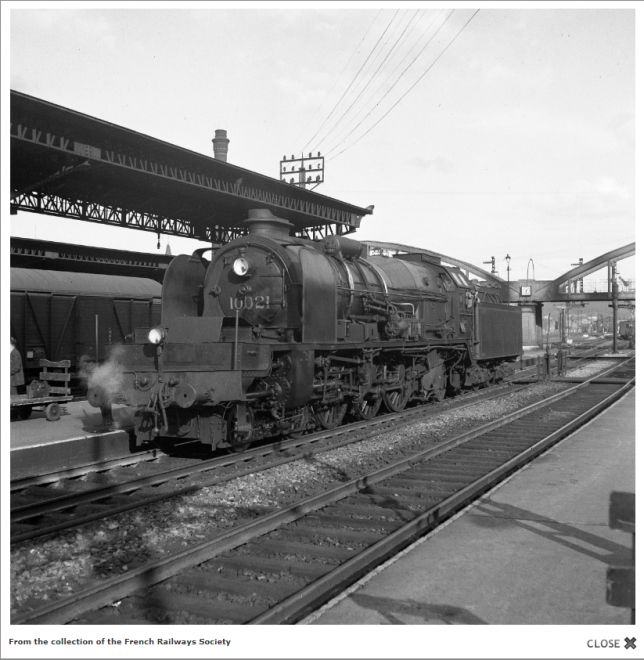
(261, 222)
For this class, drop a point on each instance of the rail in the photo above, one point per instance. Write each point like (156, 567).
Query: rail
(489, 459)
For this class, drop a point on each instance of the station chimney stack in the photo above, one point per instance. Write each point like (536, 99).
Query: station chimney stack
(220, 145)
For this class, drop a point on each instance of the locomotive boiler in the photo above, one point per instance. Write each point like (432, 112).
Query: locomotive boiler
(280, 335)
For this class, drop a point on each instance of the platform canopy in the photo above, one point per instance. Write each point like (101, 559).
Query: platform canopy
(68, 164)
(71, 257)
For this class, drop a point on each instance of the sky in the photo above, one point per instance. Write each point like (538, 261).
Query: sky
(508, 131)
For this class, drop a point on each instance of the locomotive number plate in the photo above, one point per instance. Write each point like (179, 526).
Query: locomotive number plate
(250, 302)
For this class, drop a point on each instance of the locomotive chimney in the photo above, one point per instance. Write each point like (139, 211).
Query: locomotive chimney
(220, 145)
(261, 222)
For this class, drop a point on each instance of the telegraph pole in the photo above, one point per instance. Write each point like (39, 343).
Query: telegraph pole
(294, 171)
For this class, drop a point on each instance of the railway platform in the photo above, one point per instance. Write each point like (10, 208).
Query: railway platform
(78, 438)
(533, 551)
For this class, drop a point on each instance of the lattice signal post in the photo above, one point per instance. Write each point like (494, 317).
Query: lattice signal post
(304, 172)
(578, 285)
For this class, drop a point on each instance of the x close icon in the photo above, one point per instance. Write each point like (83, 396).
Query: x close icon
(630, 642)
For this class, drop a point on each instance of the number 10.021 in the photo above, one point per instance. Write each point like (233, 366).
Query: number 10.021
(250, 302)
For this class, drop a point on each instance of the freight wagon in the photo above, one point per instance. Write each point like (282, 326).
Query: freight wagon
(626, 329)
(76, 316)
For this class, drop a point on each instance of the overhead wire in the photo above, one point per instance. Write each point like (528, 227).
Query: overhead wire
(369, 82)
(337, 79)
(344, 138)
(410, 89)
(351, 83)
(395, 68)
(397, 79)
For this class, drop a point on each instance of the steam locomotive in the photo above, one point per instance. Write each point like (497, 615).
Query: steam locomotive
(281, 335)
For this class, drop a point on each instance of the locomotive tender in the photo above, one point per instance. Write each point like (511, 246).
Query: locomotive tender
(279, 335)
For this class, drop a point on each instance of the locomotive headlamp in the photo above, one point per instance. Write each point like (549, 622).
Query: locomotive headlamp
(156, 335)
(241, 266)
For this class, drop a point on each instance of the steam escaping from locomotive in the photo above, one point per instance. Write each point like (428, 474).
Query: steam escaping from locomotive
(278, 334)
(104, 381)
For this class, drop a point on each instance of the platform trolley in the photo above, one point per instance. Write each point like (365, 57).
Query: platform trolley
(42, 394)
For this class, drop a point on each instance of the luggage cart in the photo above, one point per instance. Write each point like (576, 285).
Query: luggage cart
(44, 396)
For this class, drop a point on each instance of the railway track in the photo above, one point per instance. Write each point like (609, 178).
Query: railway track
(277, 568)
(59, 501)
(594, 349)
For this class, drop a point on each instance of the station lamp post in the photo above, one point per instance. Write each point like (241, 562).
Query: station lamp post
(507, 258)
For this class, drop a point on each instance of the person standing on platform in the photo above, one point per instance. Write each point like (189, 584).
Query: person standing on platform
(17, 374)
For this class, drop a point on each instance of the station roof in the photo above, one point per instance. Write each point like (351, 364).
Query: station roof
(73, 165)
(51, 255)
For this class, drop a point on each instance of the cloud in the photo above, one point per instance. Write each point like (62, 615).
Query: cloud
(602, 203)
(437, 164)
(605, 185)
(92, 26)
(608, 186)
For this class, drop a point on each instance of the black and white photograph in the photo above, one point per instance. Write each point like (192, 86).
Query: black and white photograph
(321, 314)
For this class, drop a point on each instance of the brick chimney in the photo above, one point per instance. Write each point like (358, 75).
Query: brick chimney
(220, 145)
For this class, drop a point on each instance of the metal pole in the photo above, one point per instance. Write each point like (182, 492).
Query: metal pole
(615, 306)
(548, 335)
(96, 338)
(236, 339)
